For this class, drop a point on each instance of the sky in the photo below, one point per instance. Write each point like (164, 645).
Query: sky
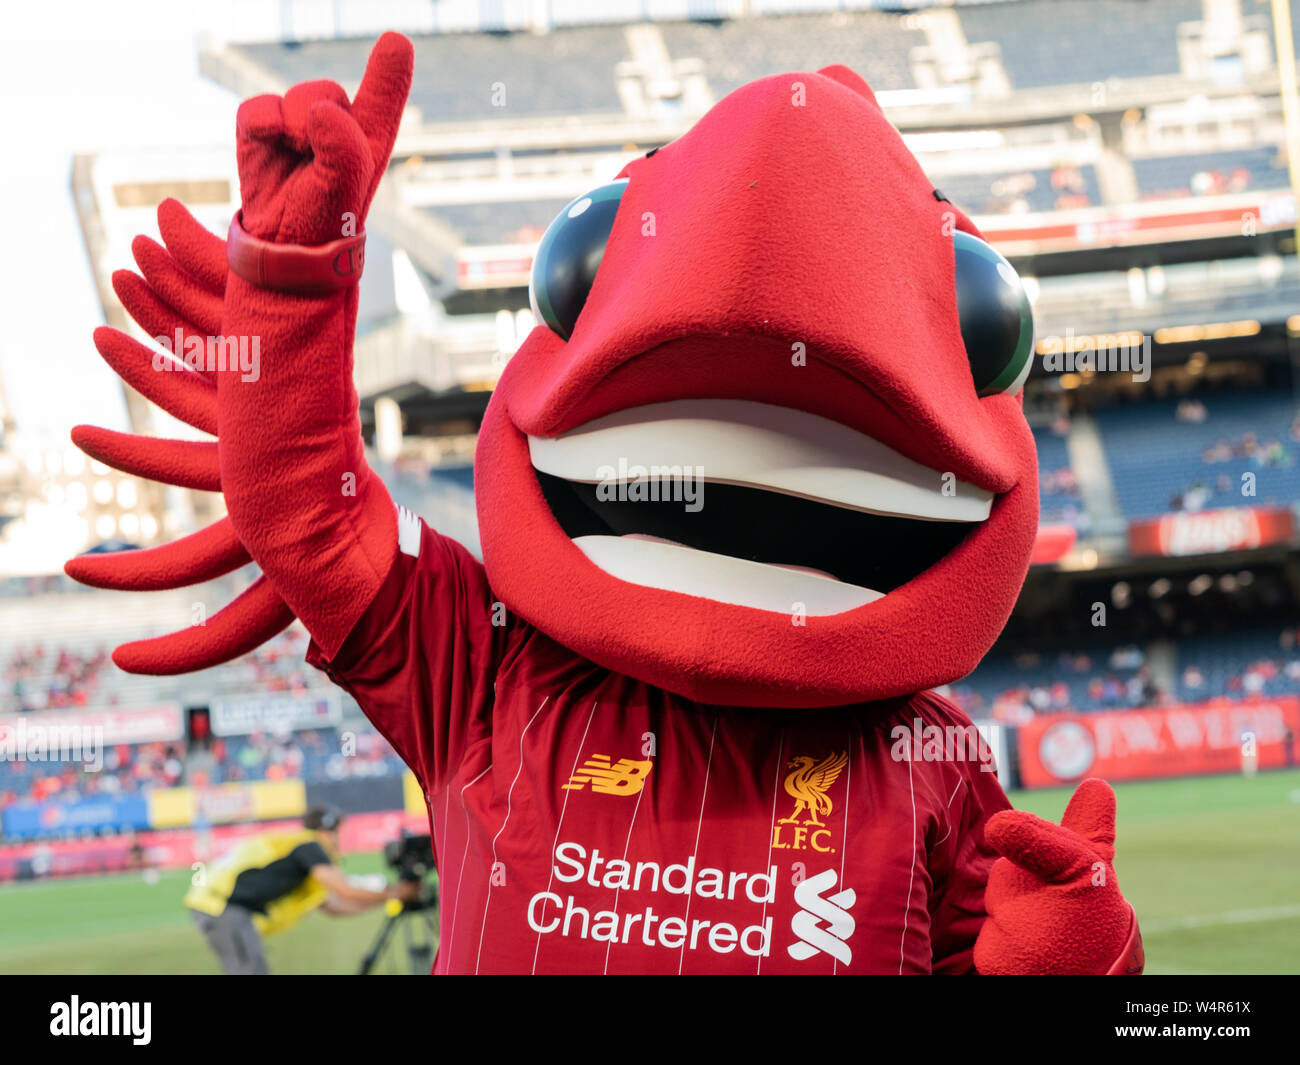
(76, 76)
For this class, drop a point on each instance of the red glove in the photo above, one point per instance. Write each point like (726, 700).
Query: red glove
(301, 500)
(309, 158)
(1053, 901)
(298, 490)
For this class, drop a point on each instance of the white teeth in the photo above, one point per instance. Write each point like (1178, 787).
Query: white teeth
(757, 445)
(732, 441)
(672, 567)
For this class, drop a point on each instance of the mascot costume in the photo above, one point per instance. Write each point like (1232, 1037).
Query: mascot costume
(665, 726)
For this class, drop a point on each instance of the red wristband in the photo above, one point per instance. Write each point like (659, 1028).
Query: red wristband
(1132, 959)
(295, 268)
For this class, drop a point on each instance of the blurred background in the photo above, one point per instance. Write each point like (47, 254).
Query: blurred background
(1129, 156)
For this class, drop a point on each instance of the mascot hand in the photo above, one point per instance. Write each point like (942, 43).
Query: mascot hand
(310, 161)
(1053, 902)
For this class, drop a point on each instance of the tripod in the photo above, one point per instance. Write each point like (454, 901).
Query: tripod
(418, 941)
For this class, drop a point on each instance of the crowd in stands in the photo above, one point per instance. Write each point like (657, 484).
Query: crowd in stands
(1013, 689)
(1193, 454)
(1246, 449)
(48, 675)
(312, 754)
(126, 770)
(279, 665)
(1240, 664)
(1019, 192)
(51, 677)
(1253, 662)
(309, 754)
(1059, 501)
(1210, 173)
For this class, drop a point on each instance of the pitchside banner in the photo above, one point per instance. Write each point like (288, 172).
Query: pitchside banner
(173, 848)
(258, 800)
(141, 724)
(1164, 741)
(282, 713)
(1208, 532)
(27, 820)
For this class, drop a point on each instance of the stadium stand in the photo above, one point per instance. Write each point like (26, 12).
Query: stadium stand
(1058, 488)
(876, 44)
(74, 670)
(1252, 661)
(1172, 455)
(311, 754)
(1078, 680)
(1108, 38)
(554, 74)
(1210, 174)
(43, 677)
(126, 770)
(504, 222)
(1111, 39)
(1026, 190)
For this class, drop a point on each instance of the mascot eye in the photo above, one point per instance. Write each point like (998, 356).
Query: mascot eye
(564, 268)
(997, 325)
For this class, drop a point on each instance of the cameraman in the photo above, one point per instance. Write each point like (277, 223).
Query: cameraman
(268, 882)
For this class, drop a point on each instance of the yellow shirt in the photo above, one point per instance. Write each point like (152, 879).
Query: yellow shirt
(214, 885)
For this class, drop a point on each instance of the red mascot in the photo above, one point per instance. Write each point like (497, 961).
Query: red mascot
(758, 479)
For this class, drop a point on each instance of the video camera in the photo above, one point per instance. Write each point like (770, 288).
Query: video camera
(411, 859)
(410, 856)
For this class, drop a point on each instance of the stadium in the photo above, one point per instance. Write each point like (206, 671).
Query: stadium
(1141, 182)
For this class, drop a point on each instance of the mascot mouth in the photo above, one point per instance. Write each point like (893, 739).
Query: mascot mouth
(751, 504)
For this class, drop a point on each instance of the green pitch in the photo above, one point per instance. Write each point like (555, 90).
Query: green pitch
(1212, 865)
(123, 924)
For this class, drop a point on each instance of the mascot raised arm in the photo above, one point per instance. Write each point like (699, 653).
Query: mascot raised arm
(758, 480)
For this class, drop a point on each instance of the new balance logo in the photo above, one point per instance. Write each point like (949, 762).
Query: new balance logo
(624, 777)
(823, 923)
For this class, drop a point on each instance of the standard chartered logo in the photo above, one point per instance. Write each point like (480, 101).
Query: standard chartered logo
(550, 913)
(823, 923)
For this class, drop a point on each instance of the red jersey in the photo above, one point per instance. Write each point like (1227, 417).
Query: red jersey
(584, 821)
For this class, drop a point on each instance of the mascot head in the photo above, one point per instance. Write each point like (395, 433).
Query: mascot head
(768, 447)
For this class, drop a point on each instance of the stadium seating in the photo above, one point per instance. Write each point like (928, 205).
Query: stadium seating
(1108, 38)
(1021, 191)
(873, 43)
(1058, 491)
(505, 222)
(1260, 661)
(125, 771)
(1210, 173)
(1079, 680)
(569, 72)
(312, 755)
(1161, 462)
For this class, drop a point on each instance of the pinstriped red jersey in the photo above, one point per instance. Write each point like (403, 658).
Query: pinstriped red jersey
(584, 821)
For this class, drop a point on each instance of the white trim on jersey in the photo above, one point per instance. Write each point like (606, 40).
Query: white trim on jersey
(408, 533)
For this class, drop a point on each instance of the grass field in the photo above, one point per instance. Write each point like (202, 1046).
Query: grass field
(1212, 865)
(120, 924)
